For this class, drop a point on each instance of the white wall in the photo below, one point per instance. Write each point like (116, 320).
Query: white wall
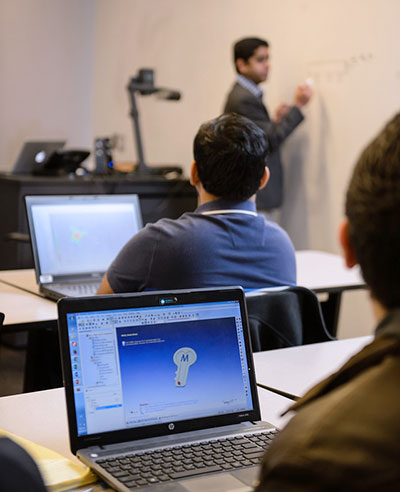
(46, 53)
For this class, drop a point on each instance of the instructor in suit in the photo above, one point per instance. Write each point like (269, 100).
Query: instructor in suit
(251, 58)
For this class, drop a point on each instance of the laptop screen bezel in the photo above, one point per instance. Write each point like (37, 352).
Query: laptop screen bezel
(129, 301)
(32, 200)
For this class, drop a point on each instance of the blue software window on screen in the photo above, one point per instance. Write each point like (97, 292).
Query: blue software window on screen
(138, 367)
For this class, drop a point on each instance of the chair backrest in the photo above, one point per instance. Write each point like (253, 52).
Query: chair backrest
(285, 317)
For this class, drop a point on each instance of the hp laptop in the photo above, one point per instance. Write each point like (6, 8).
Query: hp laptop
(34, 155)
(160, 390)
(75, 238)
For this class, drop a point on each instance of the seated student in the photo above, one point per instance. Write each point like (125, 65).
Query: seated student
(18, 471)
(224, 241)
(345, 434)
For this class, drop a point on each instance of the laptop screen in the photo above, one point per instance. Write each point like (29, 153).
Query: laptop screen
(79, 234)
(34, 155)
(144, 366)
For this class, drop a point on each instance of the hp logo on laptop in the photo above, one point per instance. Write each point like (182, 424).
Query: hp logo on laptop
(171, 427)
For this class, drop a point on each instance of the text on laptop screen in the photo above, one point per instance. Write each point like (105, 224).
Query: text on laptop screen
(146, 366)
(73, 238)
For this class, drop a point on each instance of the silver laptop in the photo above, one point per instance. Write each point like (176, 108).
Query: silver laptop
(75, 238)
(34, 155)
(160, 390)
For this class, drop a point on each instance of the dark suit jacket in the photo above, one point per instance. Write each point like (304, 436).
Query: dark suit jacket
(345, 435)
(243, 102)
(18, 471)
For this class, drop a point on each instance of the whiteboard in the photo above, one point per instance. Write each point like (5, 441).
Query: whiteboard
(350, 48)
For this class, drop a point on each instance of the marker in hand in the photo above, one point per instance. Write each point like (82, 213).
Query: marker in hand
(303, 93)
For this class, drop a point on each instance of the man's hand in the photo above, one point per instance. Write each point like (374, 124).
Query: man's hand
(302, 95)
(281, 112)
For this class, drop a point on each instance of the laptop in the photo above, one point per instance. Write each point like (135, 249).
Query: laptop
(74, 239)
(34, 155)
(161, 391)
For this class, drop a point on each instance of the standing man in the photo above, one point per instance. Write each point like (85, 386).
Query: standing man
(224, 241)
(251, 58)
(345, 434)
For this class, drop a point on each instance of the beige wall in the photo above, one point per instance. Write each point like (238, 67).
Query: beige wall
(46, 53)
(346, 47)
(65, 65)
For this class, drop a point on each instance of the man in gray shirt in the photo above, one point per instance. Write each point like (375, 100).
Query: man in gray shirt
(224, 241)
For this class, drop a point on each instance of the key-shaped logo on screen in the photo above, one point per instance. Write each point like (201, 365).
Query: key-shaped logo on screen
(183, 358)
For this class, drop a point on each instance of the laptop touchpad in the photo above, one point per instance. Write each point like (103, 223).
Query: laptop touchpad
(216, 483)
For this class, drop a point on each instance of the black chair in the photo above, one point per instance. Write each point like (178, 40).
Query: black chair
(285, 317)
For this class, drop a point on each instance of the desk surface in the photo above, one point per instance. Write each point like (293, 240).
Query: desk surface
(21, 279)
(22, 307)
(317, 270)
(295, 370)
(326, 272)
(47, 422)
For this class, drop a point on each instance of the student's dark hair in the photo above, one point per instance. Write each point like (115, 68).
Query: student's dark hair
(373, 211)
(230, 155)
(245, 48)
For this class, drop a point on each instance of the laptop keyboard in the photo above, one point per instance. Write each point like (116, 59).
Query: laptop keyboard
(174, 463)
(77, 290)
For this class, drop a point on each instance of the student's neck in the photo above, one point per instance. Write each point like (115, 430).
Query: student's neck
(378, 310)
(205, 197)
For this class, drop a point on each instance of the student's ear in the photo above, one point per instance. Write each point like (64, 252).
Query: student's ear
(345, 242)
(264, 179)
(241, 64)
(194, 175)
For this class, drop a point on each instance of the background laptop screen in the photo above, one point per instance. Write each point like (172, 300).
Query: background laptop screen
(80, 234)
(34, 155)
(145, 366)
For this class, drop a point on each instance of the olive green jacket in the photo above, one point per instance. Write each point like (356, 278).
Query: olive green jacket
(346, 432)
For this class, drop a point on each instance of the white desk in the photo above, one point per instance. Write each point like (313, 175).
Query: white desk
(325, 272)
(316, 270)
(21, 307)
(42, 416)
(22, 279)
(295, 370)
(47, 420)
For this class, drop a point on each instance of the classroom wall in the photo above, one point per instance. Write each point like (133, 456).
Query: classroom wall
(46, 53)
(348, 48)
(67, 63)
